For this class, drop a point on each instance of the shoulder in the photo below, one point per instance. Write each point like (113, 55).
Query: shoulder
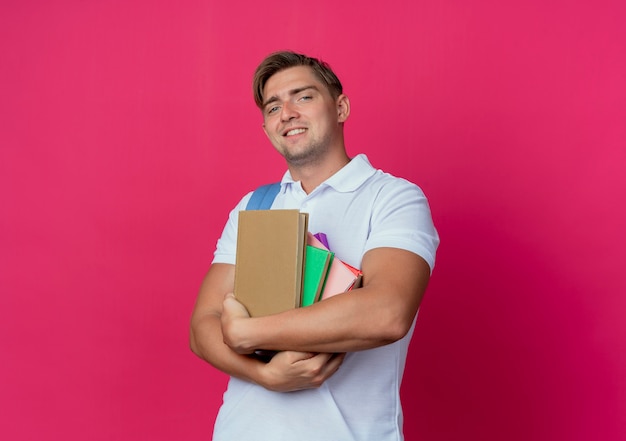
(378, 181)
(385, 190)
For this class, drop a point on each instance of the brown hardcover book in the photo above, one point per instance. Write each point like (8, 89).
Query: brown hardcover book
(269, 267)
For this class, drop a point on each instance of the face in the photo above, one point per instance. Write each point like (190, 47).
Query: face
(300, 117)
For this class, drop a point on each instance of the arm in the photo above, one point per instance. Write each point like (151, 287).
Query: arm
(286, 371)
(379, 313)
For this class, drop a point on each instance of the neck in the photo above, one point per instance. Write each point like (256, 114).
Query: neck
(313, 174)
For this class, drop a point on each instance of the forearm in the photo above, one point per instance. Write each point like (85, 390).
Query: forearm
(342, 323)
(379, 313)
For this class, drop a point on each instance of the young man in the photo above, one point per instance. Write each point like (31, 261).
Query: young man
(339, 367)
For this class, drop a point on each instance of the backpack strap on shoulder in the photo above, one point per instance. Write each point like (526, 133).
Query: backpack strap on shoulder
(263, 197)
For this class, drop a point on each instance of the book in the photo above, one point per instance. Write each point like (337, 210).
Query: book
(269, 267)
(317, 263)
(341, 276)
(322, 238)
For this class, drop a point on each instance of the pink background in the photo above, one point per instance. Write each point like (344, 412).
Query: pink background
(128, 131)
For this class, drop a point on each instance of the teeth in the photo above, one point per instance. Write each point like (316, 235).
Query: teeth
(294, 132)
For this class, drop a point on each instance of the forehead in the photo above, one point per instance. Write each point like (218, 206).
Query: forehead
(286, 80)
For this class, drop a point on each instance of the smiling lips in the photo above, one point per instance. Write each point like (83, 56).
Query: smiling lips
(293, 132)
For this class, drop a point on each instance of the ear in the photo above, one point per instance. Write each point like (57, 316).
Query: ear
(343, 108)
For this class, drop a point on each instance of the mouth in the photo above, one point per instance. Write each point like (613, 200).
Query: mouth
(293, 132)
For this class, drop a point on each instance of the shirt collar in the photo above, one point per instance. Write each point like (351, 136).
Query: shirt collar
(348, 179)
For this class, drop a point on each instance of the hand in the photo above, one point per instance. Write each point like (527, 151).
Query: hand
(290, 370)
(233, 318)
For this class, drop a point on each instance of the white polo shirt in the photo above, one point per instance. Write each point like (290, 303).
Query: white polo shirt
(359, 208)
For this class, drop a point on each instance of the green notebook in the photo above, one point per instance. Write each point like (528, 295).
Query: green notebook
(316, 265)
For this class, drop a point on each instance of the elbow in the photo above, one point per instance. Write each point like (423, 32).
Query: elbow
(396, 326)
(397, 331)
(193, 343)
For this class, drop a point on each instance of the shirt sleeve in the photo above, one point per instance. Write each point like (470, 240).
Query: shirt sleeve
(226, 249)
(402, 219)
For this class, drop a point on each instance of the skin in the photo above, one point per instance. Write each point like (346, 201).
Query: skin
(304, 123)
(296, 99)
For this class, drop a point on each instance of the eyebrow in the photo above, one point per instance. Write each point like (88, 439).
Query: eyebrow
(292, 92)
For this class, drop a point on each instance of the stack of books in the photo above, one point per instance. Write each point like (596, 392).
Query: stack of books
(281, 266)
(323, 281)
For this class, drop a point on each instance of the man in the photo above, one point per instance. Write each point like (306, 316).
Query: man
(337, 373)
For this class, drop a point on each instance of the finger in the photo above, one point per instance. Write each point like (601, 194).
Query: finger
(233, 307)
(341, 356)
(292, 357)
(331, 367)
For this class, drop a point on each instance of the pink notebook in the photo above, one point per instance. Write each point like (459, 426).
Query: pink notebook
(341, 276)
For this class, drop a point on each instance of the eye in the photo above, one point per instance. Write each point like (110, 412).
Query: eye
(272, 110)
(305, 98)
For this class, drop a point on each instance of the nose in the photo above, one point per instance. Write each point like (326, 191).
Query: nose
(288, 112)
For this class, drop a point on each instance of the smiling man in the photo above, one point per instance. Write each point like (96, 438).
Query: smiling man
(303, 120)
(339, 365)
